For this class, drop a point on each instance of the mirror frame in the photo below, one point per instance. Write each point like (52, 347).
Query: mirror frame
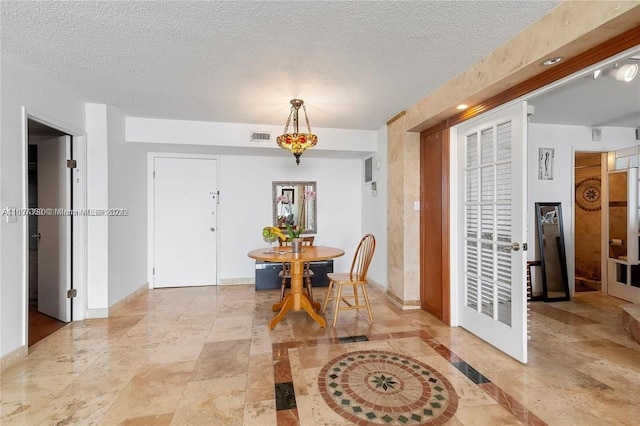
(561, 252)
(314, 207)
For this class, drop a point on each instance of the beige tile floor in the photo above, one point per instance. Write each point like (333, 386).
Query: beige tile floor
(204, 356)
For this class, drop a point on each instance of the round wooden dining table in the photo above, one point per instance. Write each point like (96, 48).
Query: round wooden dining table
(296, 299)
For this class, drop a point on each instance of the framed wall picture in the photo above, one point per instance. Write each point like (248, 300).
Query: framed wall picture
(290, 193)
(545, 163)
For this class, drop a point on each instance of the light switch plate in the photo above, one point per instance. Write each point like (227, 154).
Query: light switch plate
(11, 218)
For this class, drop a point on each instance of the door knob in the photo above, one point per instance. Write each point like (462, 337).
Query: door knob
(37, 236)
(515, 246)
(212, 229)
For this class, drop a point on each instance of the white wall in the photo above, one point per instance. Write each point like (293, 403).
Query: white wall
(245, 201)
(246, 206)
(374, 210)
(245, 181)
(97, 198)
(565, 140)
(245, 184)
(22, 88)
(236, 135)
(127, 189)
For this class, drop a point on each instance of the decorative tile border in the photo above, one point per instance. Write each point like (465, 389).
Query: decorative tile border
(507, 401)
(285, 396)
(471, 373)
(352, 339)
(414, 393)
(282, 373)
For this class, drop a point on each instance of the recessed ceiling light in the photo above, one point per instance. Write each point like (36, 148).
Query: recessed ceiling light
(462, 106)
(596, 74)
(552, 61)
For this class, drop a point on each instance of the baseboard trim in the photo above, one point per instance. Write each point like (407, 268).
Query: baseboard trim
(238, 281)
(13, 357)
(96, 313)
(405, 305)
(376, 286)
(143, 288)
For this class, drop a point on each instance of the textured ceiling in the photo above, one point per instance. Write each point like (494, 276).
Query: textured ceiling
(355, 64)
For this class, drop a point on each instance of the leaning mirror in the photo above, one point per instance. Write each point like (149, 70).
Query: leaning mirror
(555, 282)
(294, 203)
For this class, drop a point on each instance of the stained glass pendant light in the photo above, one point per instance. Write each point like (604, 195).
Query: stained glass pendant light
(297, 142)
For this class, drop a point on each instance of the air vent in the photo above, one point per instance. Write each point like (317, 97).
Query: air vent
(260, 137)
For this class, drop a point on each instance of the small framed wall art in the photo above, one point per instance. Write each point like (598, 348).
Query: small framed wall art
(545, 163)
(290, 193)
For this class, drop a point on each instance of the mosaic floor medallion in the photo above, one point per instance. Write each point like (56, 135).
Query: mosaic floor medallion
(588, 194)
(378, 387)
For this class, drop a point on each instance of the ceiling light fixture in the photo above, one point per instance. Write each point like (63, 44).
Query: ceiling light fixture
(626, 72)
(552, 61)
(297, 142)
(596, 74)
(462, 106)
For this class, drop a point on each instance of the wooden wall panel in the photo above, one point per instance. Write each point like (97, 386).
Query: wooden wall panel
(445, 227)
(431, 223)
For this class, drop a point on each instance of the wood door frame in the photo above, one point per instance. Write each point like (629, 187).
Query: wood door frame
(434, 224)
(615, 45)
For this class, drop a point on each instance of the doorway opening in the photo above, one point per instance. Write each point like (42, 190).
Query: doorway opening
(588, 221)
(49, 233)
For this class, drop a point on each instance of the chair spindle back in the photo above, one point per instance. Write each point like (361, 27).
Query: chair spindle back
(362, 257)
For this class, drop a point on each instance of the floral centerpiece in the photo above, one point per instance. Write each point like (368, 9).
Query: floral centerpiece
(294, 237)
(292, 233)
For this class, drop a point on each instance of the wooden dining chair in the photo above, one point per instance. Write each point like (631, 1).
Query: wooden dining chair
(285, 274)
(357, 277)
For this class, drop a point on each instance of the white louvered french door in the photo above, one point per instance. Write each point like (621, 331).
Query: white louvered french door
(492, 229)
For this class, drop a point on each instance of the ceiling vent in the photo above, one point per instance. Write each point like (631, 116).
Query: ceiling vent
(260, 137)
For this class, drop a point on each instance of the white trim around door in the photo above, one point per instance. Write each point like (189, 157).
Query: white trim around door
(78, 192)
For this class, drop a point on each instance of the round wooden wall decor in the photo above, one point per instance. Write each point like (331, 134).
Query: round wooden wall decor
(588, 194)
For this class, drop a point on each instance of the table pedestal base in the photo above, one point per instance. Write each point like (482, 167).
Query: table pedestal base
(289, 303)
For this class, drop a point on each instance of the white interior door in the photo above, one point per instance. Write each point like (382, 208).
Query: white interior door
(492, 220)
(54, 245)
(185, 220)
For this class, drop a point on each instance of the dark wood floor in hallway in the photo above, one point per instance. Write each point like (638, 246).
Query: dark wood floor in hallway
(41, 325)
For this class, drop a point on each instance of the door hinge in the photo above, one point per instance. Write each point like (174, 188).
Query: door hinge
(154, 271)
(524, 247)
(72, 164)
(154, 174)
(72, 293)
